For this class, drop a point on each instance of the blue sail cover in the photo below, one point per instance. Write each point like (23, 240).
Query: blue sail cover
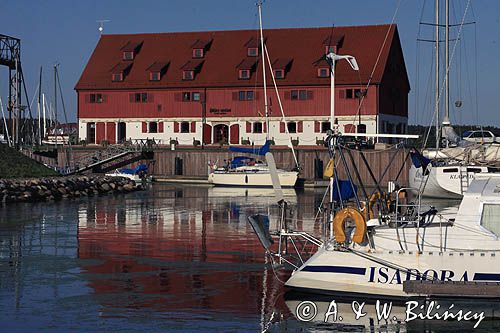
(418, 159)
(240, 161)
(256, 151)
(136, 170)
(346, 190)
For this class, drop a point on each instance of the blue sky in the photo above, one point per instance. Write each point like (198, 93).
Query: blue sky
(66, 32)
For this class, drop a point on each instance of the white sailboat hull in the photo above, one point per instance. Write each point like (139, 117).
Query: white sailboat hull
(444, 181)
(257, 179)
(333, 272)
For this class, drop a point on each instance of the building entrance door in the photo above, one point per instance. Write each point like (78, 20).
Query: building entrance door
(90, 132)
(221, 132)
(122, 132)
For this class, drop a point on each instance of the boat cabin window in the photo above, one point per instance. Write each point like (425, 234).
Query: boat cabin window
(292, 127)
(474, 170)
(185, 127)
(257, 127)
(489, 218)
(450, 170)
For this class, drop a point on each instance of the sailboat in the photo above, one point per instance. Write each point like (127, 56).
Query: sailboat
(386, 244)
(447, 172)
(249, 171)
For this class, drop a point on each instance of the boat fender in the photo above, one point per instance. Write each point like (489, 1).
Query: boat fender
(339, 225)
(328, 173)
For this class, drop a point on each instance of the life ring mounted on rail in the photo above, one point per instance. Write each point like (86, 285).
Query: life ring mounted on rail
(339, 225)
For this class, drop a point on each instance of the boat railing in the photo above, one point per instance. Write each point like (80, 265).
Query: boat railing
(410, 215)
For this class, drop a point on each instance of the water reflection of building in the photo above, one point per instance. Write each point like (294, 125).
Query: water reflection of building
(175, 248)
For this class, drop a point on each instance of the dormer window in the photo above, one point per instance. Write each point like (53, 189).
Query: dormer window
(198, 53)
(332, 43)
(128, 55)
(279, 74)
(188, 75)
(252, 52)
(130, 50)
(119, 71)
(191, 68)
(281, 67)
(246, 67)
(330, 49)
(157, 70)
(154, 76)
(323, 72)
(117, 77)
(244, 74)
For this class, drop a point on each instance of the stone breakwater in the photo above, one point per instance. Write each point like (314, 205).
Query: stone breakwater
(46, 189)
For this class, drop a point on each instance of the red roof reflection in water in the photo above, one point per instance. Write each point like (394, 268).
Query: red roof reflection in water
(171, 260)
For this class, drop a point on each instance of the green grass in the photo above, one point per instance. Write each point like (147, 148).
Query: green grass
(14, 164)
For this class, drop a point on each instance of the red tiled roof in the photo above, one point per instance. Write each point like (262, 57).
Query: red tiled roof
(247, 63)
(158, 66)
(200, 44)
(333, 40)
(281, 63)
(303, 45)
(192, 65)
(253, 42)
(121, 67)
(131, 46)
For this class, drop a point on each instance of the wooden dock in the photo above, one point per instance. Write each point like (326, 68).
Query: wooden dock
(190, 164)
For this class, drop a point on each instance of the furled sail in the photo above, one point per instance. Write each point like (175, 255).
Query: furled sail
(256, 151)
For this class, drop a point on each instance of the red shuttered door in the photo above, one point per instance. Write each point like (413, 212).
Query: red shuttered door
(207, 134)
(234, 134)
(111, 133)
(349, 128)
(100, 132)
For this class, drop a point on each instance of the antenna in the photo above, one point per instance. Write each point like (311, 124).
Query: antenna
(101, 25)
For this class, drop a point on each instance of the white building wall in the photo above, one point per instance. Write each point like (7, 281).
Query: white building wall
(308, 136)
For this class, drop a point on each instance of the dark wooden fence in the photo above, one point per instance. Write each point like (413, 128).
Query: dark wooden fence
(193, 162)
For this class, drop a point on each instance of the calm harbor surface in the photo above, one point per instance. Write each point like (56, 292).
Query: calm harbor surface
(171, 258)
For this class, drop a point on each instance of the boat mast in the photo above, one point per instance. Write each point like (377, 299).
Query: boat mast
(446, 120)
(259, 5)
(39, 108)
(44, 106)
(437, 75)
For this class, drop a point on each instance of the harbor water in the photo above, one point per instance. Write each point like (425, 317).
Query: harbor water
(170, 258)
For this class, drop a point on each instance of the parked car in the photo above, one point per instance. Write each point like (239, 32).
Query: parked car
(479, 136)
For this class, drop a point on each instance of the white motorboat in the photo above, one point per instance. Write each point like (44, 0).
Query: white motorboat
(138, 174)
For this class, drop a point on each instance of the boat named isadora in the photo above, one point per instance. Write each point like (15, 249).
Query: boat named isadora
(387, 244)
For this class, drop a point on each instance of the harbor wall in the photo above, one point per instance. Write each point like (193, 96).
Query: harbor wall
(192, 162)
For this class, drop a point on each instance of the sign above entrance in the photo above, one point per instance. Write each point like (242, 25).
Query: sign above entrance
(220, 111)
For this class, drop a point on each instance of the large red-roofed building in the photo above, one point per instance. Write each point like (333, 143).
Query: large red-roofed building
(207, 87)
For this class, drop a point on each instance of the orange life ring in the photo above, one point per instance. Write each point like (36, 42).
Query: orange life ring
(339, 225)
